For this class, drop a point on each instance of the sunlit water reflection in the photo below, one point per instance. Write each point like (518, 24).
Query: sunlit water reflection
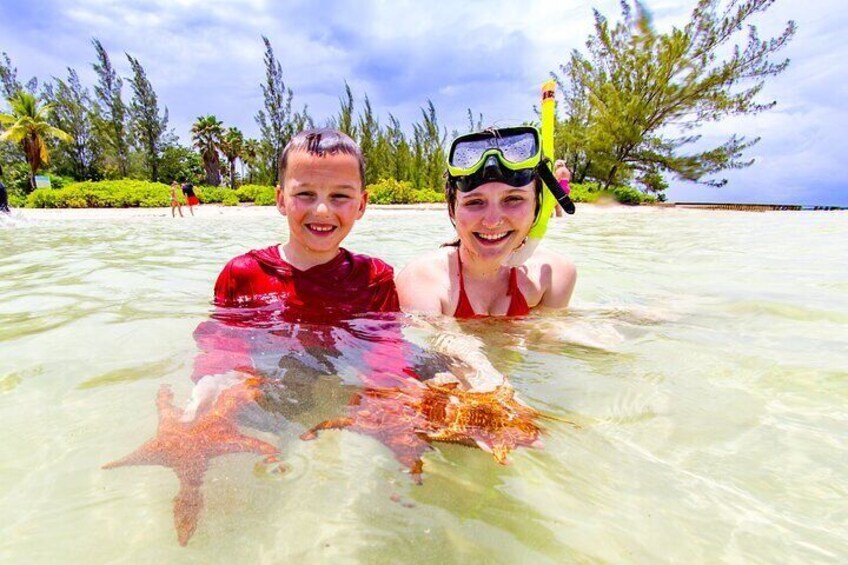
(705, 358)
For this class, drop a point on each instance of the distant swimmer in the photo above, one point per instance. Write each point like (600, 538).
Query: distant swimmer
(4, 196)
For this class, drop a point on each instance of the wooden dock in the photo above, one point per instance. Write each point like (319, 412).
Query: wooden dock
(752, 207)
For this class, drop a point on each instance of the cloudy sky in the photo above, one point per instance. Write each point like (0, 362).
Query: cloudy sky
(205, 57)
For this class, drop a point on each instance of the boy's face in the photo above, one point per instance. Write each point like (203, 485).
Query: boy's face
(322, 197)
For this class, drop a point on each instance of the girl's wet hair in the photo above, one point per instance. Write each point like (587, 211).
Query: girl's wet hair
(320, 142)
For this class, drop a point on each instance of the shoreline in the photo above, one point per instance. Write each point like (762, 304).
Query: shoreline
(251, 210)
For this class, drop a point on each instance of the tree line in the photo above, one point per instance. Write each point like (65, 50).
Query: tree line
(629, 108)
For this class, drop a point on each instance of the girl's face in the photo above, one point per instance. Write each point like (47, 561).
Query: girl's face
(493, 219)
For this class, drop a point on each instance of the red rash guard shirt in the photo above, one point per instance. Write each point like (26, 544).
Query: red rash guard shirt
(349, 284)
(260, 288)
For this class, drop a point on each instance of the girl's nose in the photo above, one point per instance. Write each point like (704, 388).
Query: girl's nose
(493, 217)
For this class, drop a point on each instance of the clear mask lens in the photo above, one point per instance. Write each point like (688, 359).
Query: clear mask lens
(514, 148)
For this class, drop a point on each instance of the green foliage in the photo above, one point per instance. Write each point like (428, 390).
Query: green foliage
(17, 177)
(391, 191)
(634, 98)
(585, 192)
(149, 128)
(9, 85)
(72, 113)
(592, 192)
(212, 194)
(258, 194)
(232, 146)
(276, 121)
(180, 164)
(206, 134)
(17, 199)
(630, 195)
(110, 121)
(102, 194)
(42, 198)
(27, 124)
(230, 199)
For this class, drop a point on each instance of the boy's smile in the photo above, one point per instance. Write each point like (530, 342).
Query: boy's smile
(322, 197)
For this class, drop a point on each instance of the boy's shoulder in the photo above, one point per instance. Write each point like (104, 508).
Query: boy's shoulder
(377, 268)
(249, 264)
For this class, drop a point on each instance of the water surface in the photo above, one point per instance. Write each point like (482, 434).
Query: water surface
(706, 357)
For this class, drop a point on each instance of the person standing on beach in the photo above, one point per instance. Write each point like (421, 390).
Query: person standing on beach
(175, 200)
(191, 199)
(4, 197)
(563, 177)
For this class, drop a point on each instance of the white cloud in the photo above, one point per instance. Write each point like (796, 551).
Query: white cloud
(206, 57)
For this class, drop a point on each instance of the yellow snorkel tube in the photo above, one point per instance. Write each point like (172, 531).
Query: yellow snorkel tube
(537, 232)
(515, 156)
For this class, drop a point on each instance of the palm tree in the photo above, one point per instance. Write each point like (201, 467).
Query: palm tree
(249, 156)
(232, 146)
(27, 125)
(206, 134)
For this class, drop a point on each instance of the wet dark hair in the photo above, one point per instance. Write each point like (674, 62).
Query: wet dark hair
(450, 198)
(319, 142)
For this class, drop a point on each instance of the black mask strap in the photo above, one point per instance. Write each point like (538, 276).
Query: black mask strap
(550, 181)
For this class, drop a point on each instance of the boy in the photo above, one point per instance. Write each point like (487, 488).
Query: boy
(322, 194)
(309, 279)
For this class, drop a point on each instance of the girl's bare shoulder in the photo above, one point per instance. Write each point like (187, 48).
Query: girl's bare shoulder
(432, 266)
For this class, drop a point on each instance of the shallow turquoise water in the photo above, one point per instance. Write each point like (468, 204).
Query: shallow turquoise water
(706, 357)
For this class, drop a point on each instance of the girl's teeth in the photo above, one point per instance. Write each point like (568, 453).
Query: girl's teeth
(492, 237)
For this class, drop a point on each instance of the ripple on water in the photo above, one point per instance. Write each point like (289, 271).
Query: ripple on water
(706, 373)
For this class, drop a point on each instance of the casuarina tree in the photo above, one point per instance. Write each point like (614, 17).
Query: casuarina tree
(634, 100)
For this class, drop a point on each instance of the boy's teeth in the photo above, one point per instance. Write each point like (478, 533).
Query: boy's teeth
(322, 228)
(492, 236)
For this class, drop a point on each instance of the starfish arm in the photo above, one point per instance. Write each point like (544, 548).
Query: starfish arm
(187, 507)
(165, 404)
(243, 443)
(338, 423)
(144, 455)
(408, 450)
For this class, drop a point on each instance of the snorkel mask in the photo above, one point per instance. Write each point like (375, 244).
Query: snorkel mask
(509, 155)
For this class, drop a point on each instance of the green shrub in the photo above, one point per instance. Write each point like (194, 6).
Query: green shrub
(584, 192)
(427, 196)
(123, 193)
(630, 195)
(258, 194)
(391, 191)
(41, 198)
(230, 199)
(17, 199)
(266, 198)
(210, 194)
(592, 192)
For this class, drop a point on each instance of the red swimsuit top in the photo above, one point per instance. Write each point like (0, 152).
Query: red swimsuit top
(517, 304)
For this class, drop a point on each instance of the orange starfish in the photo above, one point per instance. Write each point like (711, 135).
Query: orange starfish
(407, 419)
(187, 447)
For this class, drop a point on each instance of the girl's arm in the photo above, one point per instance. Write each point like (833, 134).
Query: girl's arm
(559, 276)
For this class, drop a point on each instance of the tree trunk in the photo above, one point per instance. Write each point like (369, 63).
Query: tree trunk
(610, 176)
(584, 172)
